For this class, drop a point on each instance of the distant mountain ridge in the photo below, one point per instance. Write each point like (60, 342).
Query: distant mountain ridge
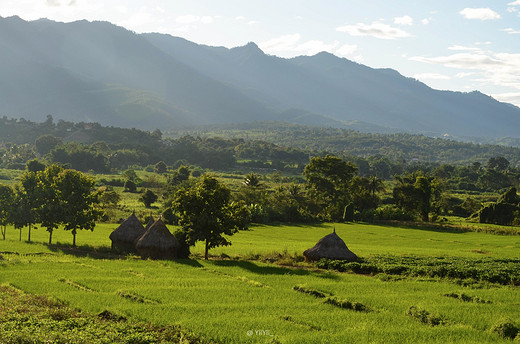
(96, 71)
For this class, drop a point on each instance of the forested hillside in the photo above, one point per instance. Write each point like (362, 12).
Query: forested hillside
(396, 147)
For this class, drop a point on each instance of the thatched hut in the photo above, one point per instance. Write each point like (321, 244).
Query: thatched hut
(126, 235)
(157, 242)
(330, 246)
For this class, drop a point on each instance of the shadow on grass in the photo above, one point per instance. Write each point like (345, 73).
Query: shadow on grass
(292, 224)
(431, 227)
(86, 251)
(271, 270)
(190, 262)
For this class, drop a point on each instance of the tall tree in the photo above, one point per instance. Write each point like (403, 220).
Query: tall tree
(6, 207)
(328, 180)
(415, 193)
(50, 208)
(78, 201)
(27, 202)
(206, 213)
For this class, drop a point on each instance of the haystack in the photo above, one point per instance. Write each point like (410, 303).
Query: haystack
(125, 236)
(330, 246)
(157, 242)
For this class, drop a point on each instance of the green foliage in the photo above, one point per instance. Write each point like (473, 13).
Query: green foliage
(206, 213)
(45, 143)
(37, 319)
(148, 197)
(311, 291)
(6, 207)
(77, 201)
(466, 298)
(346, 304)
(414, 193)
(425, 317)
(506, 329)
(502, 271)
(35, 165)
(130, 186)
(160, 167)
(504, 212)
(328, 180)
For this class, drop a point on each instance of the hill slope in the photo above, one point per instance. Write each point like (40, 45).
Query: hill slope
(96, 71)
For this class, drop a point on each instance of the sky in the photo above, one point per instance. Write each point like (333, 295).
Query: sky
(461, 45)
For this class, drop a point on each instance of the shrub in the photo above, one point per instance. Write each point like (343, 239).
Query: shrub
(424, 316)
(506, 329)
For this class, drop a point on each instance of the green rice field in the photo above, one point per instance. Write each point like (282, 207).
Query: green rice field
(236, 300)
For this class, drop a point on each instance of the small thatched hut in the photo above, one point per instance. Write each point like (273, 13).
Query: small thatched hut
(125, 236)
(157, 242)
(330, 246)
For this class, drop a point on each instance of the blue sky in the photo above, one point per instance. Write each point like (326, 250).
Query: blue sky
(461, 45)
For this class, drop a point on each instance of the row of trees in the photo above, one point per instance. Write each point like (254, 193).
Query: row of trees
(51, 197)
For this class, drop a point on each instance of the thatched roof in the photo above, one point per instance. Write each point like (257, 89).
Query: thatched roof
(157, 242)
(330, 246)
(129, 231)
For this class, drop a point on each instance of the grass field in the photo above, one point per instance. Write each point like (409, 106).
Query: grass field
(240, 301)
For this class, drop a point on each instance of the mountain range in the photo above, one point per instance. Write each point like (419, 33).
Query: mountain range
(100, 72)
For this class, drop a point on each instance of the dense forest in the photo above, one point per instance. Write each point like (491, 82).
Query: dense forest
(347, 142)
(318, 181)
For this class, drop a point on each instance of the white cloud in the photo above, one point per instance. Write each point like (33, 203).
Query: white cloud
(192, 19)
(510, 97)
(464, 74)
(425, 21)
(479, 13)
(57, 3)
(290, 45)
(511, 31)
(404, 20)
(489, 68)
(282, 43)
(462, 48)
(252, 22)
(376, 29)
(435, 76)
(240, 18)
(514, 3)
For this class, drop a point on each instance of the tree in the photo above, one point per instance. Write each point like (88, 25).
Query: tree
(181, 174)
(252, 180)
(148, 197)
(206, 213)
(50, 208)
(6, 207)
(45, 143)
(78, 201)
(34, 165)
(130, 186)
(26, 211)
(328, 180)
(415, 193)
(161, 167)
(498, 163)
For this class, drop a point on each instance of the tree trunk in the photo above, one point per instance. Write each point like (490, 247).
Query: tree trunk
(207, 249)
(3, 231)
(50, 236)
(29, 236)
(20, 233)
(73, 238)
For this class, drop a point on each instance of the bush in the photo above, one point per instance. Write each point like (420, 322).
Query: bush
(506, 329)
(392, 212)
(425, 317)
